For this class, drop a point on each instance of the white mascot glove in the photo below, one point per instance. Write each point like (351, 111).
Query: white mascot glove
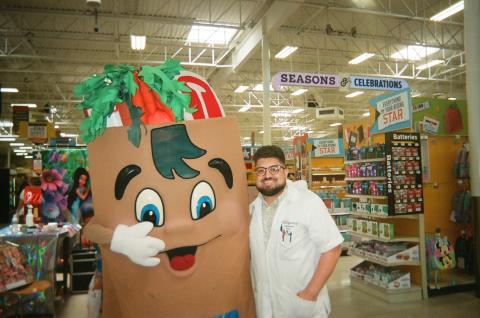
(134, 242)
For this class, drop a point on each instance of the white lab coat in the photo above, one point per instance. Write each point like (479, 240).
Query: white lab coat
(302, 230)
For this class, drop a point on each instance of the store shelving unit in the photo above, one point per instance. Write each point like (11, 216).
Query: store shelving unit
(414, 220)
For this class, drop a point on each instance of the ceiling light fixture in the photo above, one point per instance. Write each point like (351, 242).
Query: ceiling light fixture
(297, 111)
(286, 51)
(361, 58)
(138, 42)
(7, 139)
(241, 89)
(414, 52)
(261, 132)
(335, 124)
(457, 7)
(210, 34)
(354, 94)
(29, 105)
(9, 90)
(299, 91)
(430, 64)
(17, 144)
(245, 108)
(452, 98)
(366, 114)
(416, 94)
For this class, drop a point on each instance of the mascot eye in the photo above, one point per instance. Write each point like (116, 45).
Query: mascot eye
(202, 200)
(149, 207)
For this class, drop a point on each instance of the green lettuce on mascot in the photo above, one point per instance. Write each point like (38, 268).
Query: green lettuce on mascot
(171, 210)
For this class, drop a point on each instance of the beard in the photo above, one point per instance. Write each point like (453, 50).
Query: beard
(269, 192)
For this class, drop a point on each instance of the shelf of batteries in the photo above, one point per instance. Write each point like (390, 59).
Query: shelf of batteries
(340, 209)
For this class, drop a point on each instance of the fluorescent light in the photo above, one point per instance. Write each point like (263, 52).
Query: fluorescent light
(7, 139)
(366, 114)
(356, 93)
(28, 157)
(6, 123)
(261, 132)
(26, 147)
(452, 98)
(299, 91)
(335, 124)
(68, 135)
(457, 7)
(210, 34)
(56, 126)
(309, 131)
(29, 105)
(298, 110)
(9, 90)
(430, 64)
(286, 51)
(281, 114)
(138, 42)
(298, 128)
(414, 52)
(245, 108)
(259, 87)
(18, 144)
(416, 94)
(361, 58)
(246, 138)
(19, 150)
(241, 89)
(20, 154)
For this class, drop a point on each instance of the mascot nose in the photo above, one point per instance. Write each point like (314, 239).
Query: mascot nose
(178, 226)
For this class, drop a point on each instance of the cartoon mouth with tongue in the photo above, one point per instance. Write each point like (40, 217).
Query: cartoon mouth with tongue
(182, 258)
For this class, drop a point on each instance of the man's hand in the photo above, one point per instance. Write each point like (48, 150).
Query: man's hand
(134, 242)
(307, 295)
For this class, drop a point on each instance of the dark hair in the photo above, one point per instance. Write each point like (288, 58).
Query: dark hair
(269, 152)
(72, 195)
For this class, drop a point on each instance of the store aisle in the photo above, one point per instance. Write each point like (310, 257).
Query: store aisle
(350, 303)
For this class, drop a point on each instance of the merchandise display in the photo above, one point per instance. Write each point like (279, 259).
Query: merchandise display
(387, 254)
(381, 276)
(14, 270)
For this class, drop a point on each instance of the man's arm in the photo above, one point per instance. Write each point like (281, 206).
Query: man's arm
(325, 268)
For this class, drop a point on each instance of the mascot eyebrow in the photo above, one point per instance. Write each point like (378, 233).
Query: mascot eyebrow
(170, 145)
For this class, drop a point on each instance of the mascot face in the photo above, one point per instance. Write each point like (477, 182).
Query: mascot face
(188, 179)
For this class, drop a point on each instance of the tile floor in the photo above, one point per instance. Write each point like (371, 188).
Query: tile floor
(350, 303)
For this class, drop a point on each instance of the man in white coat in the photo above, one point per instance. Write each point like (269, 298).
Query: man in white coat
(294, 243)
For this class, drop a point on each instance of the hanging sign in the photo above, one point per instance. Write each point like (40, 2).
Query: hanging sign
(393, 111)
(304, 79)
(331, 147)
(431, 125)
(377, 83)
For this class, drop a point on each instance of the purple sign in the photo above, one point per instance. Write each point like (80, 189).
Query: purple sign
(304, 79)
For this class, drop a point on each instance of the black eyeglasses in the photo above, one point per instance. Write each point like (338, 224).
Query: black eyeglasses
(273, 170)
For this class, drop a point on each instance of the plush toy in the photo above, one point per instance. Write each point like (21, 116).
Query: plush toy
(171, 209)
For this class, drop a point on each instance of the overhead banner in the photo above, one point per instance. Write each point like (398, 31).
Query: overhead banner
(392, 111)
(327, 147)
(377, 83)
(304, 79)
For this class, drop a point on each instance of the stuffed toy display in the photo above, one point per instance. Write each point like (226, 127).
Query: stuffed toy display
(171, 205)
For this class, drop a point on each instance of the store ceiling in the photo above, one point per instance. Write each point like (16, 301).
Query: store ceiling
(47, 46)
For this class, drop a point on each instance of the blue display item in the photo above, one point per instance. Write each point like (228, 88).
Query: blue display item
(393, 111)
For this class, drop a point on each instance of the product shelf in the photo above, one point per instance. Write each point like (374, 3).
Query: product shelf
(388, 295)
(333, 173)
(375, 259)
(398, 238)
(365, 178)
(376, 216)
(364, 196)
(349, 162)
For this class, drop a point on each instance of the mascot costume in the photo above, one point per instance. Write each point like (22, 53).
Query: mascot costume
(171, 209)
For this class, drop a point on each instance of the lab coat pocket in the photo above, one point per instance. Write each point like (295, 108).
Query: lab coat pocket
(291, 242)
(303, 308)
